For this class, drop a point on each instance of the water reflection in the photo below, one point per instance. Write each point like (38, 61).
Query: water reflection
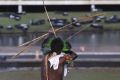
(91, 39)
(20, 40)
(106, 38)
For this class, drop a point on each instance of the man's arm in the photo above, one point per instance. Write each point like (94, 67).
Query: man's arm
(72, 54)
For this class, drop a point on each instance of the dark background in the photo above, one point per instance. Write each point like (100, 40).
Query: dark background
(59, 8)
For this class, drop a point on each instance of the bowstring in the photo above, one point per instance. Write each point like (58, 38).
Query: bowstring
(46, 11)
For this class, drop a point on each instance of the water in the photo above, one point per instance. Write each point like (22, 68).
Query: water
(93, 40)
(101, 40)
(97, 38)
(16, 39)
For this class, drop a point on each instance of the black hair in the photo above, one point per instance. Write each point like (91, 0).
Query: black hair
(57, 45)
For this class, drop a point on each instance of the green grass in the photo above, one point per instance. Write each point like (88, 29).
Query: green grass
(74, 74)
(26, 18)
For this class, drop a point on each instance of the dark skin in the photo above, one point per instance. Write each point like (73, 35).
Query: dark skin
(53, 74)
(56, 74)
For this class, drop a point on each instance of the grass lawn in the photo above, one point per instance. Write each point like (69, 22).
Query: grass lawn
(74, 74)
(27, 17)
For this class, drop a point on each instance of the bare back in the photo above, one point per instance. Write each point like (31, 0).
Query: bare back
(48, 73)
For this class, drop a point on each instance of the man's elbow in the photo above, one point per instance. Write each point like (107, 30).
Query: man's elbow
(73, 54)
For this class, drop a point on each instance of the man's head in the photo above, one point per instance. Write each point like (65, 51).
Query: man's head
(57, 45)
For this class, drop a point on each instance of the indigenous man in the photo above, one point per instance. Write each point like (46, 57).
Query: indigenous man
(53, 62)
